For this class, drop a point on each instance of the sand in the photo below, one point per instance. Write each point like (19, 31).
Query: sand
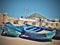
(19, 41)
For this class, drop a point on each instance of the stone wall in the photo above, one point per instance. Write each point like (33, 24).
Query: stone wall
(5, 18)
(1, 18)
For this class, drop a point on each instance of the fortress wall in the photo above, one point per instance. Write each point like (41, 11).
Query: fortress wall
(5, 18)
(1, 18)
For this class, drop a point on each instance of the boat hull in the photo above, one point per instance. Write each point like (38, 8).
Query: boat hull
(1, 32)
(57, 36)
(47, 36)
(11, 33)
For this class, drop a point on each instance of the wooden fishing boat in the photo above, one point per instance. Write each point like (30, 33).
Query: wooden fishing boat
(11, 30)
(34, 32)
(11, 33)
(57, 36)
(1, 31)
(30, 31)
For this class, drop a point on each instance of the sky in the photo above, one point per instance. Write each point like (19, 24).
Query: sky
(15, 8)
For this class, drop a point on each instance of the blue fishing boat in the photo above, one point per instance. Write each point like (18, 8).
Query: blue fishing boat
(57, 36)
(1, 31)
(35, 32)
(30, 31)
(11, 30)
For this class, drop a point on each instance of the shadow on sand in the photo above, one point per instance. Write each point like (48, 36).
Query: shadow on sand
(56, 38)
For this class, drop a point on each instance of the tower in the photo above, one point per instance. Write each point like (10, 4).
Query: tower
(5, 17)
(25, 11)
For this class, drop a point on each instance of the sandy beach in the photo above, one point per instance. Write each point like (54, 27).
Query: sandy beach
(19, 41)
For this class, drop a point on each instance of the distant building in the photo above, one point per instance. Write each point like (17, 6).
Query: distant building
(36, 21)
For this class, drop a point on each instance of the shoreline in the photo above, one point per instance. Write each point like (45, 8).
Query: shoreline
(4, 40)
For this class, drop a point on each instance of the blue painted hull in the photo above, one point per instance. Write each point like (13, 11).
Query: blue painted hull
(57, 33)
(48, 36)
(11, 33)
(32, 32)
(1, 31)
(11, 30)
